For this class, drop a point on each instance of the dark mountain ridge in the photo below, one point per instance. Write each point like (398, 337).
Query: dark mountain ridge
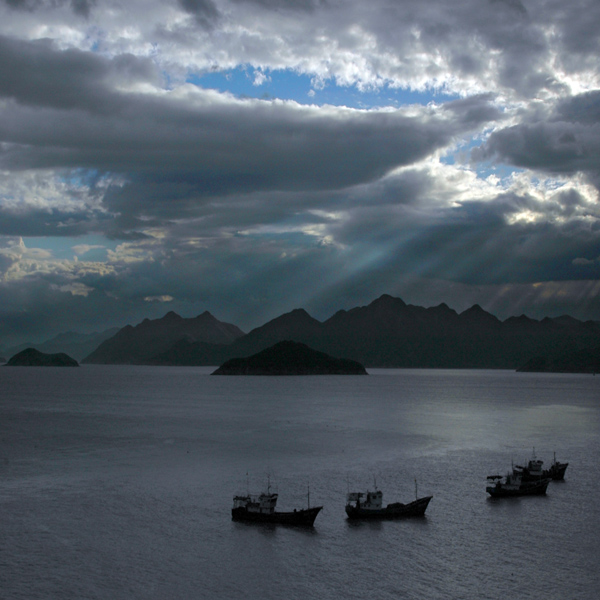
(385, 333)
(77, 345)
(139, 344)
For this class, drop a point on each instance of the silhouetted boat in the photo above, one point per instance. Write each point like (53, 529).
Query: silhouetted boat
(534, 471)
(557, 469)
(513, 484)
(261, 509)
(369, 505)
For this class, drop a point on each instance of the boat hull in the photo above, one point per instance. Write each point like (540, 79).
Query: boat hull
(305, 517)
(557, 471)
(537, 488)
(391, 511)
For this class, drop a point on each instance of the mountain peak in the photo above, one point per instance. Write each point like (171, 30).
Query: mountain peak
(388, 298)
(386, 301)
(520, 319)
(171, 316)
(150, 338)
(476, 308)
(296, 325)
(477, 314)
(566, 320)
(205, 316)
(298, 314)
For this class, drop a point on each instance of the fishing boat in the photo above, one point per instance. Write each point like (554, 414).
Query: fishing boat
(534, 471)
(260, 508)
(513, 484)
(369, 505)
(557, 469)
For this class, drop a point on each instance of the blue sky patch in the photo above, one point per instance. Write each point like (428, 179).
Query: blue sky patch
(248, 82)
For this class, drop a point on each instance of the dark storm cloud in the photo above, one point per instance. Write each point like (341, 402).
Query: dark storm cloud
(567, 141)
(204, 11)
(277, 147)
(176, 151)
(289, 5)
(515, 5)
(29, 5)
(584, 108)
(83, 7)
(79, 7)
(474, 110)
(48, 222)
(172, 154)
(35, 74)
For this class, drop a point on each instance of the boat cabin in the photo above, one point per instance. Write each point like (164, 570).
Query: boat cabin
(373, 500)
(533, 470)
(263, 504)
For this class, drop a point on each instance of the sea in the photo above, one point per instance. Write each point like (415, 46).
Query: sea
(116, 482)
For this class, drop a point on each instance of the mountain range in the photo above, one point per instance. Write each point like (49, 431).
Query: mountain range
(77, 345)
(386, 333)
(140, 344)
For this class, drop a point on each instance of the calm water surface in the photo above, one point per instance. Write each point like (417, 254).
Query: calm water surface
(117, 482)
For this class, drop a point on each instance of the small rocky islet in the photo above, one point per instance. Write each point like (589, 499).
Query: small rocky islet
(290, 358)
(30, 357)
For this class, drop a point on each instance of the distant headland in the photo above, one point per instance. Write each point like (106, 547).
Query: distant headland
(581, 361)
(290, 358)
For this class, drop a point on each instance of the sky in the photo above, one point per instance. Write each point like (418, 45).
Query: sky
(250, 157)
